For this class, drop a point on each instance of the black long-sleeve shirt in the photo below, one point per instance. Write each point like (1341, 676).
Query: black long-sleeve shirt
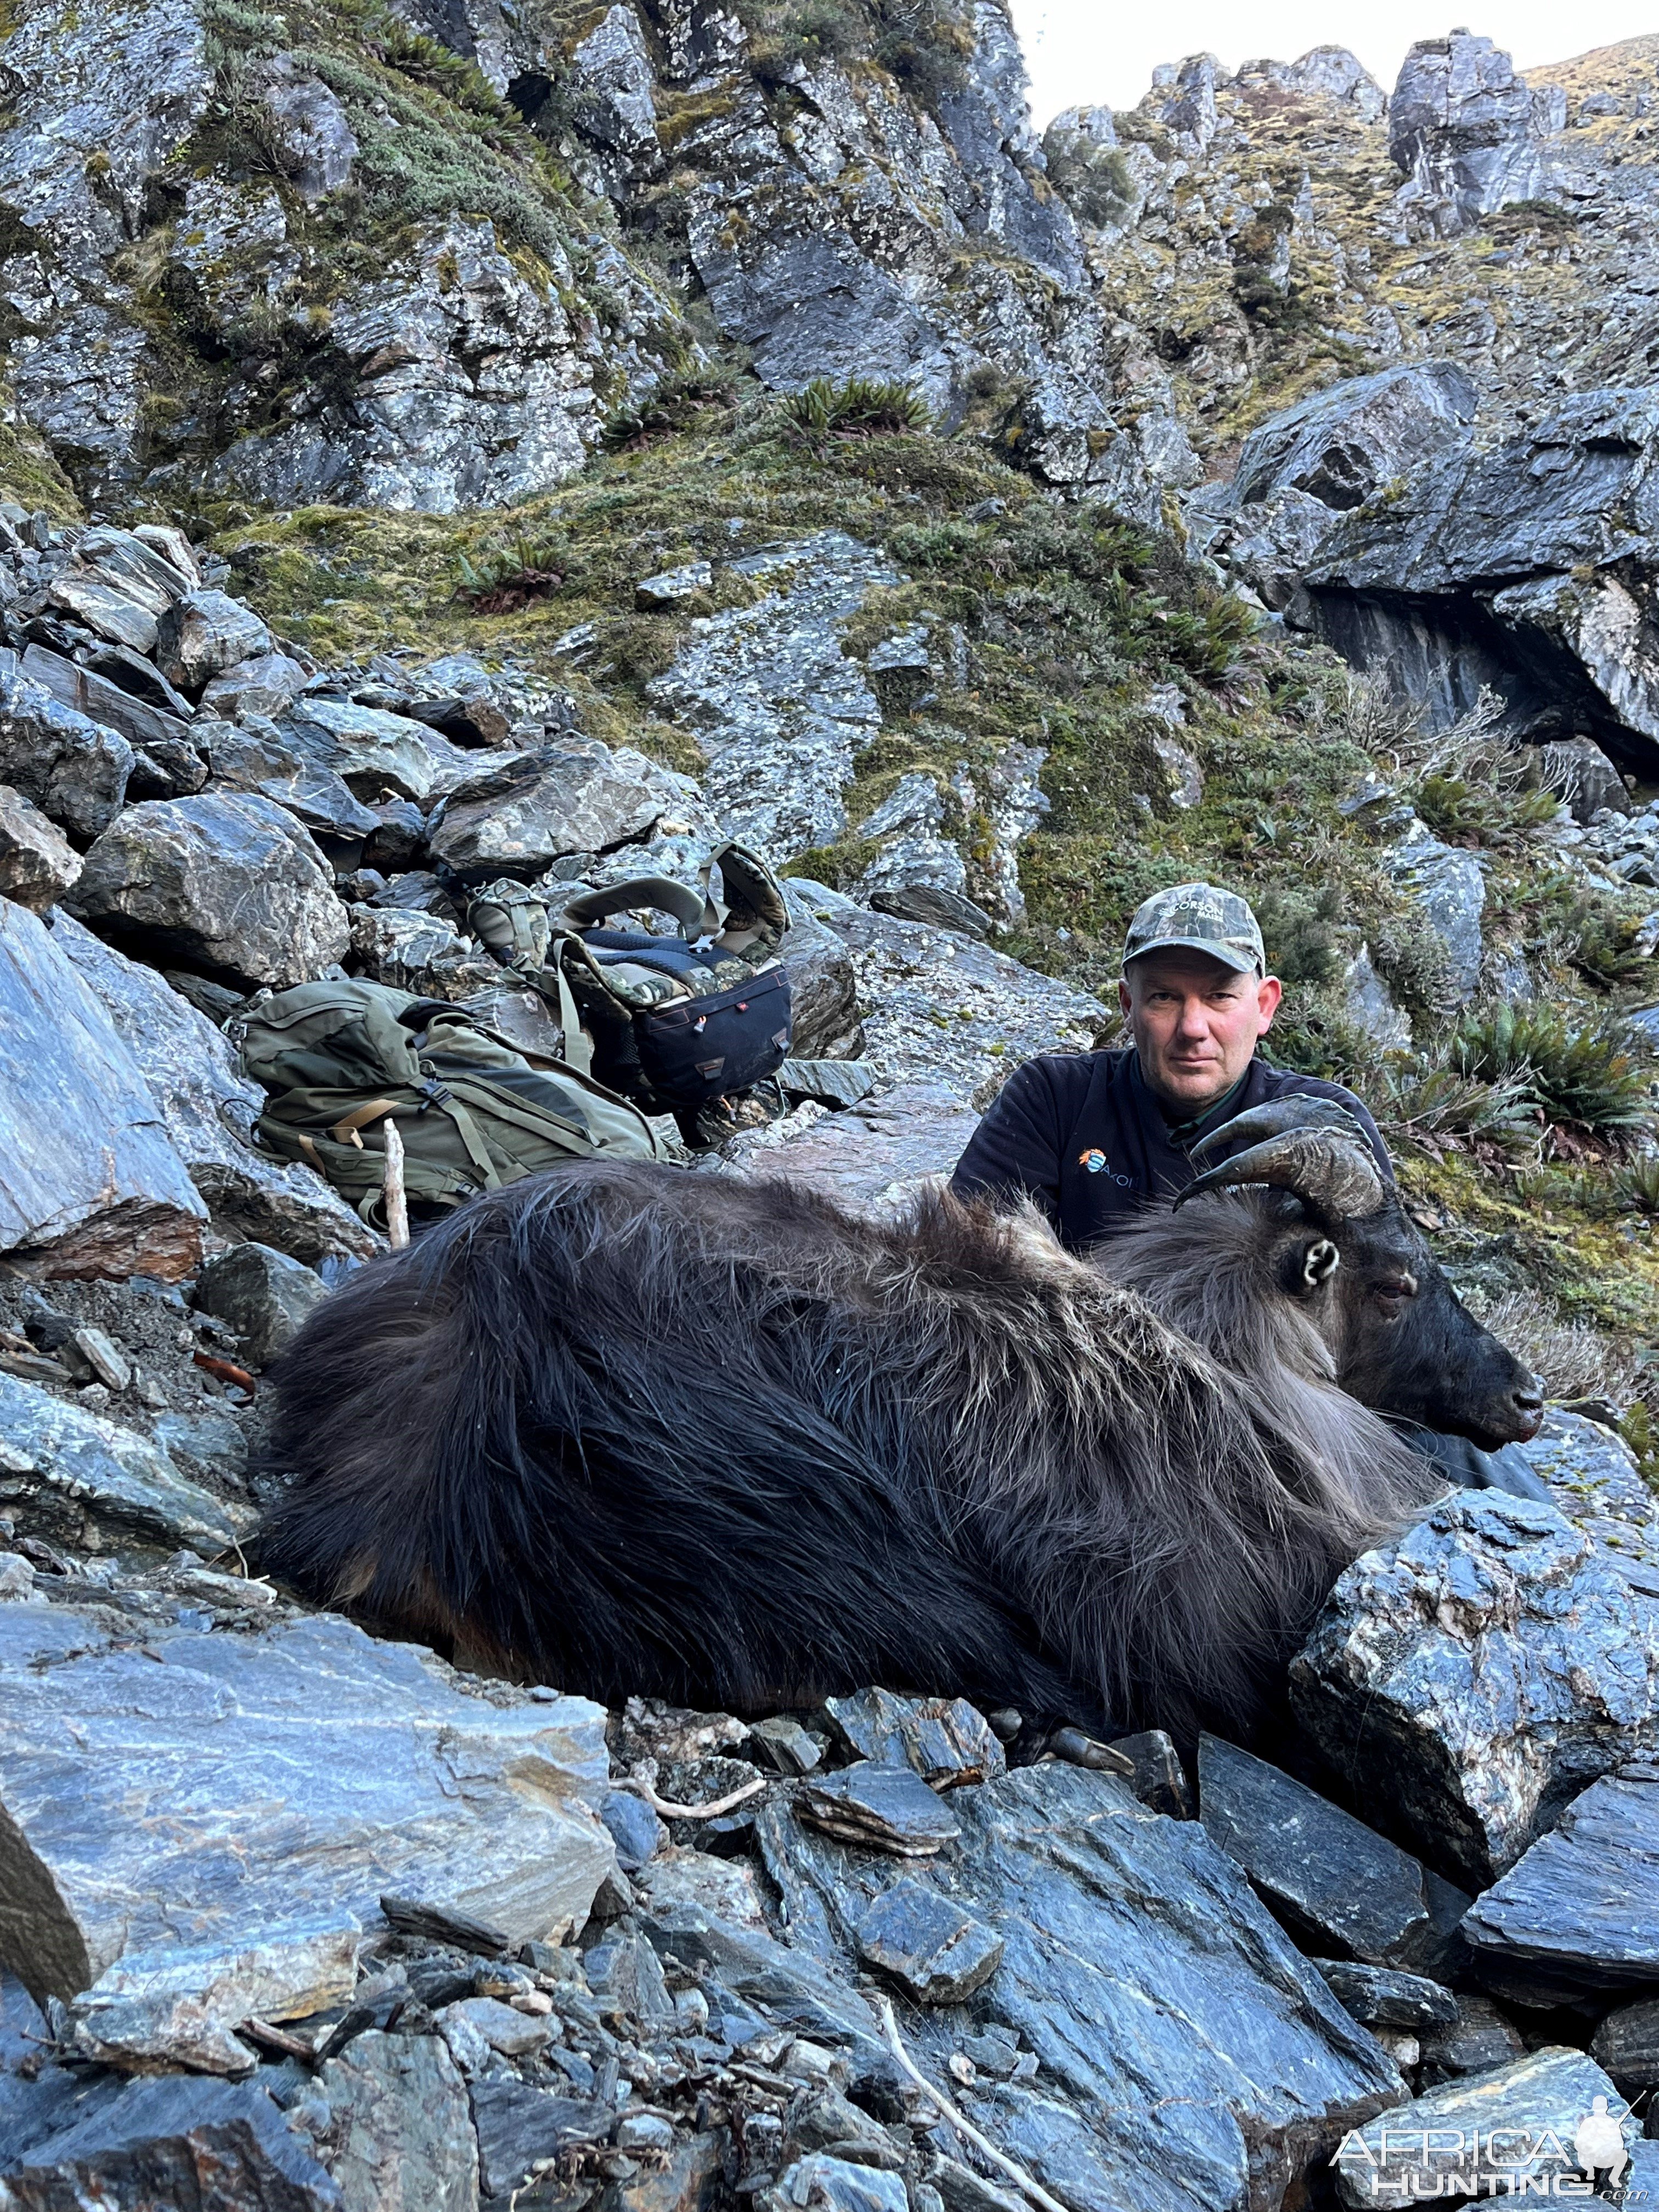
(1082, 1134)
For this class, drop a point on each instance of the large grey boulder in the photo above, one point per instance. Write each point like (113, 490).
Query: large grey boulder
(72, 769)
(205, 632)
(71, 1476)
(1569, 1914)
(216, 2146)
(522, 811)
(37, 863)
(119, 585)
(874, 1154)
(1528, 569)
(88, 1173)
(208, 1108)
(1447, 885)
(1466, 131)
(228, 881)
(1488, 2135)
(1598, 1484)
(253, 755)
(1490, 1663)
(290, 1774)
(1133, 1951)
(141, 720)
(1345, 443)
(373, 751)
(822, 989)
(1346, 1891)
(781, 713)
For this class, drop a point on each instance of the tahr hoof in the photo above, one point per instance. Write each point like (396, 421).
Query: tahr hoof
(1078, 1749)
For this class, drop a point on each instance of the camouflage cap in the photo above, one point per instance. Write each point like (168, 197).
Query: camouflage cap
(1197, 918)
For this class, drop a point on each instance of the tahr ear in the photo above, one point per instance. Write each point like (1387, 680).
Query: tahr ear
(1308, 1266)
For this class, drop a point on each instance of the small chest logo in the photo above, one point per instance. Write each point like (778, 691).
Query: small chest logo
(1094, 1161)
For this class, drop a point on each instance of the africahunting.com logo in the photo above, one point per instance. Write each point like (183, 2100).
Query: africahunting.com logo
(1392, 2162)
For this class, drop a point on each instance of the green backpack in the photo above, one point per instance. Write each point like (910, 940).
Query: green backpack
(339, 1059)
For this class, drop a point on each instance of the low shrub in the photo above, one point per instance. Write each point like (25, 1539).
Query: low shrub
(862, 407)
(505, 578)
(1581, 1074)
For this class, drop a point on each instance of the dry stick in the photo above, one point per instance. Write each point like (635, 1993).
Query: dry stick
(397, 1204)
(1016, 2173)
(671, 1812)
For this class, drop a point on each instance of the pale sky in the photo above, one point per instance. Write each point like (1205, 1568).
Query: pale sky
(1079, 51)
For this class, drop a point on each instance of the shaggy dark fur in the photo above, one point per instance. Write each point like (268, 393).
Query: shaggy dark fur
(626, 1430)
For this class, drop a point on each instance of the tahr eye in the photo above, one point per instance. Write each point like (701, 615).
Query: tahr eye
(1394, 1289)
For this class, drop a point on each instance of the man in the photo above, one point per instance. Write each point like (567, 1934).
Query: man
(1092, 1137)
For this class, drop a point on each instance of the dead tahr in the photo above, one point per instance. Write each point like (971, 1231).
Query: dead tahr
(623, 1429)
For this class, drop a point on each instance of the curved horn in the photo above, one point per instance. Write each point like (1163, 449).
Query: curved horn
(1311, 1147)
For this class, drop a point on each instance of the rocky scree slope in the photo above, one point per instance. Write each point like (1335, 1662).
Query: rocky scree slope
(441, 519)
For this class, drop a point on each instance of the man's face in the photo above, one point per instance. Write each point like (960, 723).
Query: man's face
(1196, 1022)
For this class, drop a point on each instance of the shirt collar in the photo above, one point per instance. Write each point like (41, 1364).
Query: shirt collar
(1184, 1135)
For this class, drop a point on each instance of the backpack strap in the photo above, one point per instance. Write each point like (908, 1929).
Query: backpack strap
(697, 915)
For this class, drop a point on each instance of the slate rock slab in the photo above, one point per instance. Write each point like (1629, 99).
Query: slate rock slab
(227, 880)
(88, 1168)
(37, 863)
(254, 757)
(1473, 1676)
(781, 711)
(1594, 1474)
(1343, 444)
(1481, 2037)
(71, 1476)
(375, 751)
(940, 1008)
(262, 1295)
(214, 2146)
(105, 702)
(888, 1808)
(945, 1740)
(203, 633)
(874, 1155)
(1627, 2043)
(524, 811)
(519, 2125)
(822, 989)
(1334, 1880)
(73, 769)
(1380, 1997)
(209, 1109)
(937, 1952)
(199, 1824)
(1188, 2055)
(1581, 1907)
(1518, 2119)
(823, 2183)
(400, 2136)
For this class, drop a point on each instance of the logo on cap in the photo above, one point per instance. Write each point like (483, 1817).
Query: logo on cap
(1197, 918)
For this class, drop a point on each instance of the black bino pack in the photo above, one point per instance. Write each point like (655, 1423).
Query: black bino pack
(675, 1021)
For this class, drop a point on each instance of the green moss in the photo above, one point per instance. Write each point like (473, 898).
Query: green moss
(30, 476)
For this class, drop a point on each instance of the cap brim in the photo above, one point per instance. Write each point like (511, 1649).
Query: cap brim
(1241, 963)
